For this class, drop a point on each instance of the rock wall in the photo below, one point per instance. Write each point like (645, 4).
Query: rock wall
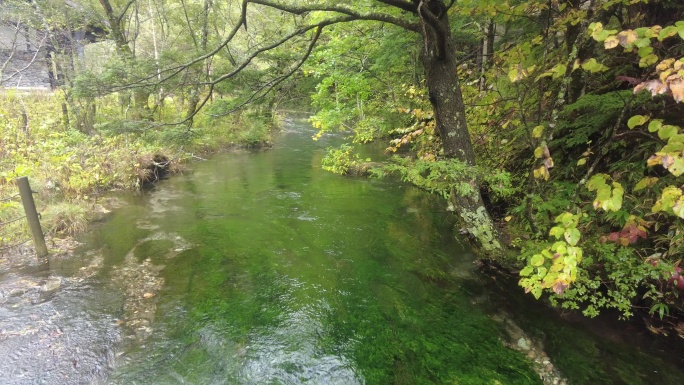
(33, 72)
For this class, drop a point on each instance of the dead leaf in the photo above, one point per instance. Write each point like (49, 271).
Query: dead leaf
(677, 88)
(548, 162)
(559, 287)
(655, 86)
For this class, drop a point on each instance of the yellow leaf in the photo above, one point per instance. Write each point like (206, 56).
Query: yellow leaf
(537, 132)
(664, 75)
(653, 160)
(653, 31)
(678, 65)
(648, 60)
(627, 38)
(665, 64)
(514, 74)
(542, 172)
(611, 42)
(548, 162)
(582, 161)
(644, 183)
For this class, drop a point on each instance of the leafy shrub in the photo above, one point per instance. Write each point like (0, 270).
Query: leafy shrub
(340, 160)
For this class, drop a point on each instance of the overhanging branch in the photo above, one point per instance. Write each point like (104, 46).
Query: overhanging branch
(268, 86)
(351, 15)
(273, 82)
(122, 14)
(403, 5)
(297, 10)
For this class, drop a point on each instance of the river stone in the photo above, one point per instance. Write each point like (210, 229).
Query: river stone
(51, 284)
(524, 344)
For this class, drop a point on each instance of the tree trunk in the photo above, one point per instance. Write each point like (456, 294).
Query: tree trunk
(201, 47)
(441, 78)
(141, 107)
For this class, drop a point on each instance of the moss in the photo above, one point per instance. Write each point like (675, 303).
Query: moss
(480, 226)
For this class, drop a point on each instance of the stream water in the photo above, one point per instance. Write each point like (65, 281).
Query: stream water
(260, 268)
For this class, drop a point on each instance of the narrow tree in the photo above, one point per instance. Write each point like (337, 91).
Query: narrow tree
(115, 23)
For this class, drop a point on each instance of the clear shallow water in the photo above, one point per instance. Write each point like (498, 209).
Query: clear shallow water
(288, 275)
(260, 268)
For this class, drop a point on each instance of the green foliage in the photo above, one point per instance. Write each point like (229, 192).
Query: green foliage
(558, 133)
(608, 197)
(448, 176)
(614, 280)
(439, 177)
(586, 119)
(555, 267)
(360, 72)
(341, 160)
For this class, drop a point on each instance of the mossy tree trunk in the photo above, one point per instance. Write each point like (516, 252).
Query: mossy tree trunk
(442, 81)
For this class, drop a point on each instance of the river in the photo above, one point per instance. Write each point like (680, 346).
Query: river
(261, 268)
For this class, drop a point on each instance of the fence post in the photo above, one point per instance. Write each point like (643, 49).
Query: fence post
(32, 215)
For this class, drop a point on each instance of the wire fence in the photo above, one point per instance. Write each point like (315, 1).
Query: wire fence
(14, 228)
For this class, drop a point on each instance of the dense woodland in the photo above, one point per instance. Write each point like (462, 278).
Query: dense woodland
(550, 127)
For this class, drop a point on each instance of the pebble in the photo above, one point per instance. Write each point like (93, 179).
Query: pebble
(524, 344)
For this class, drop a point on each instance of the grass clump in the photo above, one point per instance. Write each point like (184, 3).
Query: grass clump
(65, 218)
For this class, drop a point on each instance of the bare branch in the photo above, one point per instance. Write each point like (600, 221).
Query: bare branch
(278, 43)
(403, 5)
(268, 86)
(124, 10)
(343, 10)
(173, 71)
(20, 70)
(273, 82)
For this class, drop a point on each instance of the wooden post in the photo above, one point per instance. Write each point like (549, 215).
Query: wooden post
(32, 216)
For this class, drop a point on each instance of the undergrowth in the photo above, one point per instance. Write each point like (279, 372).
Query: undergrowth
(70, 166)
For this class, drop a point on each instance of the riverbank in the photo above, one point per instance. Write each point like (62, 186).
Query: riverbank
(71, 170)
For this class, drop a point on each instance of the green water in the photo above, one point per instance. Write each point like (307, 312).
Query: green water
(267, 270)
